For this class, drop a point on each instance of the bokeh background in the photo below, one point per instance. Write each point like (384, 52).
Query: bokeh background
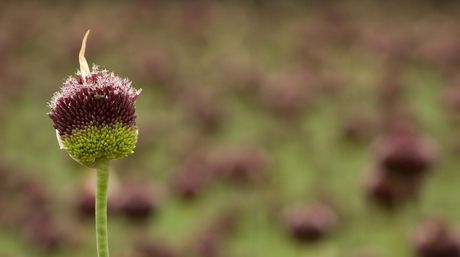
(266, 128)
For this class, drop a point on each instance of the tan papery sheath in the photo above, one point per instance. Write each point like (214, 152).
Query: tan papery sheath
(84, 68)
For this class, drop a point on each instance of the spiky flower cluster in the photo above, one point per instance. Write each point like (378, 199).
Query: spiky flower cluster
(94, 116)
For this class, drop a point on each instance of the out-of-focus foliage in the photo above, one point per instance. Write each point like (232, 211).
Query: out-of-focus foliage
(266, 128)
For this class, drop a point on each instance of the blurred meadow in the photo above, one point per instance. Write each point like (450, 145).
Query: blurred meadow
(266, 128)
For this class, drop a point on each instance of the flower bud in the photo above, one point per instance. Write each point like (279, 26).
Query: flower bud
(312, 222)
(435, 238)
(93, 114)
(94, 117)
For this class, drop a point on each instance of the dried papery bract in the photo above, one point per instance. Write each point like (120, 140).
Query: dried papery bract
(84, 68)
(93, 115)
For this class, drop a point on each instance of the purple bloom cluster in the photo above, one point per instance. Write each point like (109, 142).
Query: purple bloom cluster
(103, 99)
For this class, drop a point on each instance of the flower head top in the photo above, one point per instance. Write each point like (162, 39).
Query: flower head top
(93, 114)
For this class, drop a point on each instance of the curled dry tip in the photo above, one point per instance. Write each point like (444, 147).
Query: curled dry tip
(84, 68)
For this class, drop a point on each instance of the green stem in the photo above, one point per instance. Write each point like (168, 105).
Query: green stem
(102, 165)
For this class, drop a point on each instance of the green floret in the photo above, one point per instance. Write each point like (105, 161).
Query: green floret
(112, 142)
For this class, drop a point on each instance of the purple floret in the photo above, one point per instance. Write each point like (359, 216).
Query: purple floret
(104, 99)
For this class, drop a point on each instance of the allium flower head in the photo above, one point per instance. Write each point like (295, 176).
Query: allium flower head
(93, 115)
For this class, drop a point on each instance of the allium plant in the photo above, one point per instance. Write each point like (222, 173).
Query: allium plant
(93, 115)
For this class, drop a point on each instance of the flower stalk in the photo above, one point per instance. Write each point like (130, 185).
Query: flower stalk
(102, 165)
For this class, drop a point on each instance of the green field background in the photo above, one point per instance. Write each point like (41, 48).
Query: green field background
(309, 157)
